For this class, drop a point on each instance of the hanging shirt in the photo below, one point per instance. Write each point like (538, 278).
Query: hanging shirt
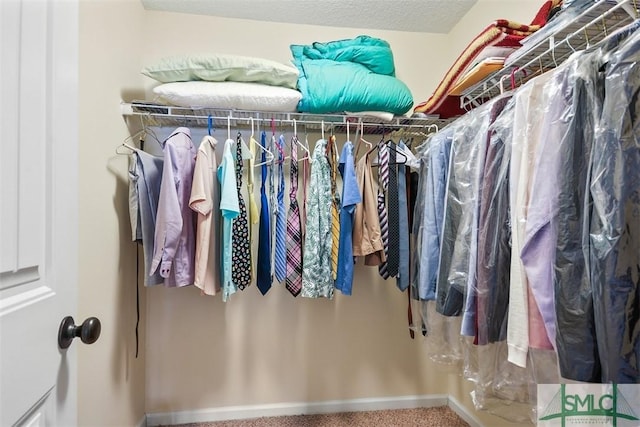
(525, 327)
(316, 271)
(145, 176)
(350, 198)
(429, 220)
(174, 240)
(229, 209)
(457, 254)
(367, 238)
(494, 234)
(205, 199)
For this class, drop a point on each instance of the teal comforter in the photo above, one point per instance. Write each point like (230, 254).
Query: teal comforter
(349, 75)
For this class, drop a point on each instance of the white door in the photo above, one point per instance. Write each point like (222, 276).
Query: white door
(38, 209)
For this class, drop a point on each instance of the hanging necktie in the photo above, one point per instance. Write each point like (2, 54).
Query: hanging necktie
(392, 213)
(383, 178)
(403, 232)
(281, 219)
(294, 235)
(241, 258)
(273, 203)
(253, 214)
(263, 278)
(306, 167)
(335, 207)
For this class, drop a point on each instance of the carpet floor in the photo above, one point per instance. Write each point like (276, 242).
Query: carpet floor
(440, 416)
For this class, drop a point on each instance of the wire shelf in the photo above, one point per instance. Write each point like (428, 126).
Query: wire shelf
(158, 114)
(547, 52)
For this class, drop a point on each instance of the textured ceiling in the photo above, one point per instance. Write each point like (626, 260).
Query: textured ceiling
(430, 16)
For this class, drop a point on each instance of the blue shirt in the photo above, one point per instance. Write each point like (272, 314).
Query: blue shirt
(350, 197)
(145, 177)
(436, 163)
(229, 208)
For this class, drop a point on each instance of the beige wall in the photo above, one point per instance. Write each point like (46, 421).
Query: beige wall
(200, 352)
(111, 379)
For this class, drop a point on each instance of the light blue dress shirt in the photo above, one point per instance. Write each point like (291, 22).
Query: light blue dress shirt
(230, 209)
(434, 190)
(350, 198)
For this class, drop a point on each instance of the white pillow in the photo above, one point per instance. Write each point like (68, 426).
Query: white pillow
(229, 95)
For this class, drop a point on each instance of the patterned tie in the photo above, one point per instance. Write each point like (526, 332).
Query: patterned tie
(294, 236)
(335, 208)
(306, 168)
(241, 258)
(263, 277)
(383, 177)
(393, 256)
(281, 219)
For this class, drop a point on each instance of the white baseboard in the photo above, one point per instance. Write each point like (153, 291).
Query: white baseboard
(282, 409)
(142, 422)
(463, 412)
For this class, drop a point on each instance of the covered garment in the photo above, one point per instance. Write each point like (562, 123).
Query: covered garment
(488, 310)
(429, 212)
(615, 229)
(349, 75)
(576, 329)
(459, 247)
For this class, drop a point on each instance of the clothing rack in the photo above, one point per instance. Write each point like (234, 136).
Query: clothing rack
(157, 114)
(548, 48)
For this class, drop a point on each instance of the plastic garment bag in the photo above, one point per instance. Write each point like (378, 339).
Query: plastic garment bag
(457, 253)
(615, 222)
(430, 211)
(575, 338)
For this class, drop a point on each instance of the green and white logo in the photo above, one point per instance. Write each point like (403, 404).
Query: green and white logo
(614, 405)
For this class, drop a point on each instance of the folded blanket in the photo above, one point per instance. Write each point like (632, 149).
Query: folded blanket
(349, 75)
(503, 33)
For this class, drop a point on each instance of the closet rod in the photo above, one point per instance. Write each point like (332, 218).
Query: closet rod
(221, 116)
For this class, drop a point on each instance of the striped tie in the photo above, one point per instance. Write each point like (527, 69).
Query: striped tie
(294, 236)
(393, 256)
(383, 177)
(281, 219)
(335, 209)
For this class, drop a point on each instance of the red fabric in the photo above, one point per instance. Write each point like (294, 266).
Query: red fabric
(503, 33)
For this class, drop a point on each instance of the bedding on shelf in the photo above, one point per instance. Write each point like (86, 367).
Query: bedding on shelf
(349, 75)
(218, 67)
(500, 33)
(229, 95)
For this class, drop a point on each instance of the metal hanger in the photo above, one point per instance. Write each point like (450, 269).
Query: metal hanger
(268, 154)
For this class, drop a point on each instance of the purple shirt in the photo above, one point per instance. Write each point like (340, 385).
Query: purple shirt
(539, 244)
(174, 244)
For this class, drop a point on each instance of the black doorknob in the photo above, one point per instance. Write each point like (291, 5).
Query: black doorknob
(89, 331)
